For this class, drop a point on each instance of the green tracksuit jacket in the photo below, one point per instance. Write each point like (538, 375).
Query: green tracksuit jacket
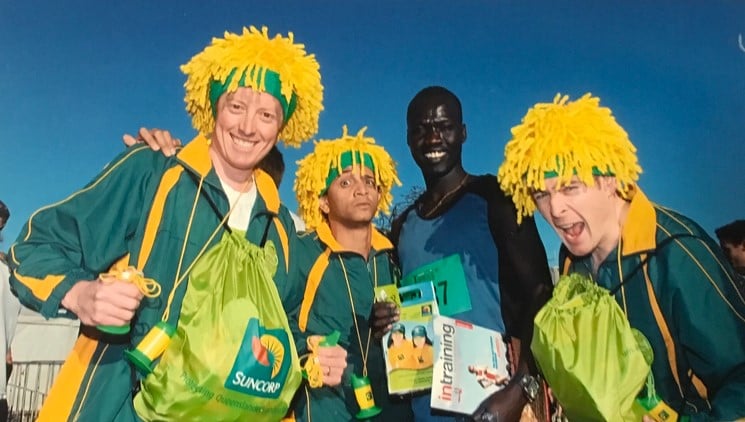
(140, 209)
(327, 306)
(677, 285)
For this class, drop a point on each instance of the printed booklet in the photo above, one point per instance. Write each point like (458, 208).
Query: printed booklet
(408, 347)
(470, 365)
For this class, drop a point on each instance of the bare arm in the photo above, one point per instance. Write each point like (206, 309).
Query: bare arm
(525, 284)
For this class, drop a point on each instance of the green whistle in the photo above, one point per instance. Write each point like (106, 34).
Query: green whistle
(331, 339)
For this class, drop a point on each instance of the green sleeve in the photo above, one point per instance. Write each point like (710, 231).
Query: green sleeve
(80, 236)
(709, 317)
(286, 284)
(303, 259)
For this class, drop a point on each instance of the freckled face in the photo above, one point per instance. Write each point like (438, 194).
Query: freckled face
(581, 215)
(246, 127)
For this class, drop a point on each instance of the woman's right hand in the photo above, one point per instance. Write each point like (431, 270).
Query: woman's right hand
(98, 303)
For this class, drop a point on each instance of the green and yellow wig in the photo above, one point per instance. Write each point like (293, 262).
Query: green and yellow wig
(327, 161)
(563, 139)
(276, 66)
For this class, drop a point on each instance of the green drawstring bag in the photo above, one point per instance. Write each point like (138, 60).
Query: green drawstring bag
(232, 356)
(589, 354)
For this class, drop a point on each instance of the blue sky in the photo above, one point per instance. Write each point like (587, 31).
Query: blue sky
(76, 75)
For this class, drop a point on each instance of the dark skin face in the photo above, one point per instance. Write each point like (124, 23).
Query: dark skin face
(435, 136)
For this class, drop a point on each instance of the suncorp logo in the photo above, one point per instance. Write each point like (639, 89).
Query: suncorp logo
(260, 368)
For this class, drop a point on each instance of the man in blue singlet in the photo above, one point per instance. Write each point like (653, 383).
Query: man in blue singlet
(505, 266)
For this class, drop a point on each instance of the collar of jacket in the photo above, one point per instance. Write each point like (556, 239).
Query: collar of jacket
(640, 228)
(195, 157)
(378, 243)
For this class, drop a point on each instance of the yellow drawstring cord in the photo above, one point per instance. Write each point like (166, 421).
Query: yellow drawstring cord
(149, 287)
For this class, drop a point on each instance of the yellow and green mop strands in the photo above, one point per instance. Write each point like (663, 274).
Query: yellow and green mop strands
(329, 158)
(277, 66)
(563, 139)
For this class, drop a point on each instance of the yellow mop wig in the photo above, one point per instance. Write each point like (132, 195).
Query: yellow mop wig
(563, 139)
(313, 172)
(252, 55)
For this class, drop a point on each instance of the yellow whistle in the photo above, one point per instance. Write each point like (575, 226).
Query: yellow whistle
(663, 413)
(363, 394)
(151, 347)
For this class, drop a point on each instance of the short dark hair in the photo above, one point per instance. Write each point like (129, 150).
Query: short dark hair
(274, 165)
(733, 233)
(435, 92)
(4, 214)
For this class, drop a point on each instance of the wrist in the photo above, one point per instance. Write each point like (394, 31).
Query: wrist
(529, 385)
(70, 300)
(516, 394)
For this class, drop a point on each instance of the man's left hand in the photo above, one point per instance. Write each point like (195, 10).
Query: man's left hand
(332, 359)
(156, 139)
(505, 405)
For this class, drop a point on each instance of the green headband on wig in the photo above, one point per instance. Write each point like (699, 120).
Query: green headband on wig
(329, 159)
(348, 159)
(566, 139)
(272, 86)
(276, 65)
(548, 174)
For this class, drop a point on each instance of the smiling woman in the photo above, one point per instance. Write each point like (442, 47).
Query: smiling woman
(246, 128)
(206, 208)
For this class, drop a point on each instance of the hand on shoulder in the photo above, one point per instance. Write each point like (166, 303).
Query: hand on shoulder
(156, 139)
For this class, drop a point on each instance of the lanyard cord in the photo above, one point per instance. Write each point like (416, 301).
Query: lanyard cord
(447, 195)
(364, 353)
(180, 279)
(620, 274)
